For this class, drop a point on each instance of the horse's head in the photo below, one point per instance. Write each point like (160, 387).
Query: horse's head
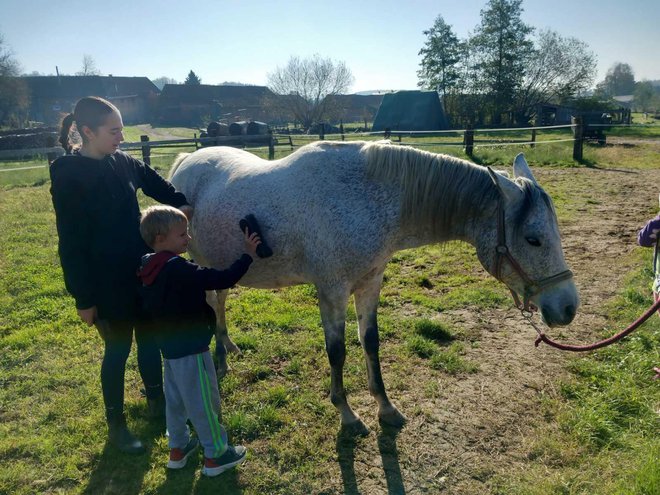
(522, 248)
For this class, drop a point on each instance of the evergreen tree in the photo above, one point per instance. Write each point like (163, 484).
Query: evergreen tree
(440, 56)
(192, 78)
(502, 47)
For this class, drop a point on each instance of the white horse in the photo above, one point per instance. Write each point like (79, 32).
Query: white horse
(334, 214)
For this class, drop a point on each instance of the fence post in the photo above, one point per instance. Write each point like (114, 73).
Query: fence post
(341, 129)
(533, 138)
(578, 129)
(321, 131)
(271, 145)
(146, 150)
(468, 140)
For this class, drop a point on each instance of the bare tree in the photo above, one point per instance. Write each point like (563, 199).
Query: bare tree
(620, 80)
(557, 69)
(14, 95)
(88, 67)
(305, 87)
(161, 81)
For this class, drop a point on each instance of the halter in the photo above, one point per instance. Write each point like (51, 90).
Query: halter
(532, 287)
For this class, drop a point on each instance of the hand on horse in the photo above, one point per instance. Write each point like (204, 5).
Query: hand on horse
(88, 315)
(188, 211)
(251, 242)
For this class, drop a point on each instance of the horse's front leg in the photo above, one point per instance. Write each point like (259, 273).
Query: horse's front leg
(333, 315)
(223, 344)
(366, 307)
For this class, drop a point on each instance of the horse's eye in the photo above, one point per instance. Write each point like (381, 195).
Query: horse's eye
(533, 241)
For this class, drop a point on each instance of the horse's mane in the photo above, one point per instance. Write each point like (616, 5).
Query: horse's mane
(434, 188)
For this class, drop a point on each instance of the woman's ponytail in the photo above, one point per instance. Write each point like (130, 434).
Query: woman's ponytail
(65, 129)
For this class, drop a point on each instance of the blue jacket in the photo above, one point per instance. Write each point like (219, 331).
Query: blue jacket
(174, 298)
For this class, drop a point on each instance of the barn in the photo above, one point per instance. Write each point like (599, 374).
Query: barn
(52, 96)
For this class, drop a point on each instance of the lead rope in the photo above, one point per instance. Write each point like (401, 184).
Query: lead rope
(542, 337)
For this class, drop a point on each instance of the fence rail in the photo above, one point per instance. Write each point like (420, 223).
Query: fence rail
(272, 140)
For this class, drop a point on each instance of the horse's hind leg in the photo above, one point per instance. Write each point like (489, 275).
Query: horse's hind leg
(366, 306)
(333, 304)
(223, 343)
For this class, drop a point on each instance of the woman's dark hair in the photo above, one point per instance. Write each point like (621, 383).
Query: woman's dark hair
(90, 111)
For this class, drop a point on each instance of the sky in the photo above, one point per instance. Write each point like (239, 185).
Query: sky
(243, 41)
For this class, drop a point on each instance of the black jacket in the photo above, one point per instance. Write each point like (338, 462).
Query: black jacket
(98, 219)
(174, 297)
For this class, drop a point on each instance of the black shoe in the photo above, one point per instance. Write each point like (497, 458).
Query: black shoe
(263, 250)
(120, 436)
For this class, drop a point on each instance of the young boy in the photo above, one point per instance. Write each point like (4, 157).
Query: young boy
(173, 291)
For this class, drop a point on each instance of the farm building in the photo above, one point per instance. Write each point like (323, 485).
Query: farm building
(52, 96)
(355, 108)
(411, 111)
(549, 114)
(190, 104)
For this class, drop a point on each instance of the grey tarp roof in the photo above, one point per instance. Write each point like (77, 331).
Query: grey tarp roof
(411, 111)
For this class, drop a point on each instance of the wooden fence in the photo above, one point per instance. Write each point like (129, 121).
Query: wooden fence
(271, 141)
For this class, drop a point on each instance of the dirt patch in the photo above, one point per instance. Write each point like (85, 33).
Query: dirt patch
(156, 133)
(464, 429)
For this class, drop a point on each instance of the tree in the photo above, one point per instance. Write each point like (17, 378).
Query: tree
(305, 87)
(160, 82)
(192, 79)
(88, 67)
(620, 80)
(440, 57)
(647, 97)
(502, 46)
(14, 95)
(556, 69)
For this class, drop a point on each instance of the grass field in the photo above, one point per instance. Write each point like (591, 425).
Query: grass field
(600, 431)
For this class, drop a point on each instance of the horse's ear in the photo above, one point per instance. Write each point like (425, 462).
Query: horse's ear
(521, 169)
(508, 189)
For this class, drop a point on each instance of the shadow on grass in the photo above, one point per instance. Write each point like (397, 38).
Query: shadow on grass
(116, 472)
(346, 444)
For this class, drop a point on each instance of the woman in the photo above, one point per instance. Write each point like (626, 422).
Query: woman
(94, 194)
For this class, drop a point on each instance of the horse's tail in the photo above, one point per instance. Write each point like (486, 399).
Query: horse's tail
(180, 157)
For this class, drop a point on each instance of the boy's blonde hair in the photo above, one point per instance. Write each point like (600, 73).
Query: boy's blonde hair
(158, 220)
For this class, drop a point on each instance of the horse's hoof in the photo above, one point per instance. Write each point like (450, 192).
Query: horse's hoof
(355, 429)
(392, 417)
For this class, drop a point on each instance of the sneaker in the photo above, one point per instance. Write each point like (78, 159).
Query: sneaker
(233, 456)
(179, 457)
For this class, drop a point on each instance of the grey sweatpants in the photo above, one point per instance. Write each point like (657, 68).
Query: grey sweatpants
(191, 392)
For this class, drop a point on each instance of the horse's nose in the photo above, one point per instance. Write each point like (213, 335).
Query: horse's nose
(560, 317)
(569, 313)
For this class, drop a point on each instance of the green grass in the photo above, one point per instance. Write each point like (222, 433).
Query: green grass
(601, 430)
